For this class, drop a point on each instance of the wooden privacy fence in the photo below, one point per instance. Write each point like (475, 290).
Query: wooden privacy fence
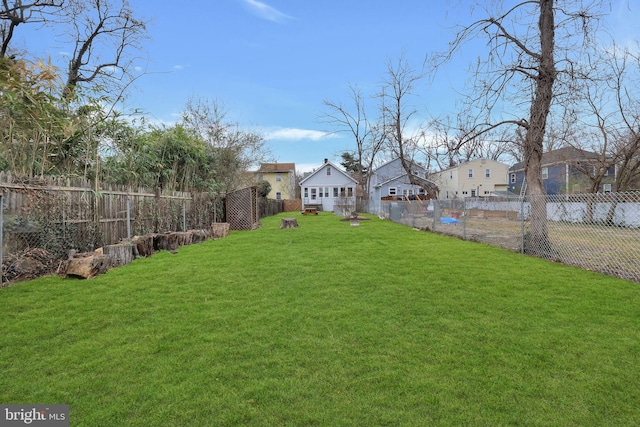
(59, 214)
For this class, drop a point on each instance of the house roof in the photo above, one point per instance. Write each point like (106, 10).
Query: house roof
(277, 167)
(327, 162)
(395, 178)
(561, 156)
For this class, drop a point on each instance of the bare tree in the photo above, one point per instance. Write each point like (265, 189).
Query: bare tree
(104, 33)
(367, 136)
(230, 149)
(444, 147)
(522, 78)
(398, 86)
(17, 12)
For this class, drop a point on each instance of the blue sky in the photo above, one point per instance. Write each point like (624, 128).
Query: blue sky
(273, 62)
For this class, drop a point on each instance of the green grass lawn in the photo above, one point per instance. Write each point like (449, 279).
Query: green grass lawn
(328, 325)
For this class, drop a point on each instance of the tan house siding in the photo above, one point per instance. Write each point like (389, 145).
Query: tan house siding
(477, 178)
(282, 177)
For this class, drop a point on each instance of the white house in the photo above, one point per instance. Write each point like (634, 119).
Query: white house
(328, 188)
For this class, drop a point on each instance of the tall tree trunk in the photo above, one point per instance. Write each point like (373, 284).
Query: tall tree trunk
(538, 238)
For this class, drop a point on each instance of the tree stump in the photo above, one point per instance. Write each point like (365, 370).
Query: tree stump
(198, 236)
(144, 245)
(165, 242)
(120, 254)
(88, 265)
(289, 223)
(219, 230)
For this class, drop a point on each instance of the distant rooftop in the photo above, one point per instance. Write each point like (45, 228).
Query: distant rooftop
(277, 167)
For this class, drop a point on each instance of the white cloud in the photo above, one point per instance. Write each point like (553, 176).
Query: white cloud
(292, 134)
(264, 11)
(178, 67)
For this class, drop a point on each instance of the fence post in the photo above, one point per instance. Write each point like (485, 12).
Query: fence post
(129, 218)
(522, 224)
(464, 219)
(1, 234)
(184, 215)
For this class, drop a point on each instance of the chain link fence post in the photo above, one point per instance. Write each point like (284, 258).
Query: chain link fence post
(1, 240)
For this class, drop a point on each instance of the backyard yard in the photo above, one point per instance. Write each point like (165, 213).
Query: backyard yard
(328, 324)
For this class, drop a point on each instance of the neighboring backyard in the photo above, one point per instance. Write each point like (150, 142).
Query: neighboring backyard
(330, 325)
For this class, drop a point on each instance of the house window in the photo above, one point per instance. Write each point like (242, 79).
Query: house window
(606, 188)
(326, 191)
(393, 191)
(513, 178)
(407, 192)
(342, 192)
(335, 191)
(314, 193)
(349, 191)
(470, 173)
(545, 173)
(278, 195)
(328, 170)
(306, 192)
(487, 173)
(421, 191)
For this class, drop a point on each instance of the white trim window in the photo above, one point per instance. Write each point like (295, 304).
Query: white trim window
(393, 191)
(278, 177)
(545, 173)
(487, 173)
(470, 173)
(513, 178)
(278, 195)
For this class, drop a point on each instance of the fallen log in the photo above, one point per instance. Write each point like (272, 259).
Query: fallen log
(88, 265)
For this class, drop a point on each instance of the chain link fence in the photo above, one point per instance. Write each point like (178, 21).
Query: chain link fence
(599, 232)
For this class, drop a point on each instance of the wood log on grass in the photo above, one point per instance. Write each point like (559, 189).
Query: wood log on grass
(165, 242)
(88, 265)
(121, 254)
(183, 238)
(219, 230)
(144, 245)
(198, 236)
(289, 223)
